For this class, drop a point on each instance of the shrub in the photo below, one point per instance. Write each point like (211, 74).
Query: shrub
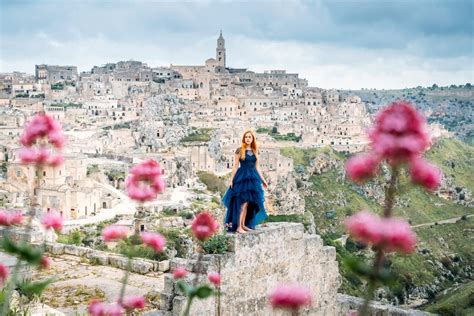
(217, 244)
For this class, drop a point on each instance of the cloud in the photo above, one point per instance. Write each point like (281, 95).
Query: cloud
(332, 43)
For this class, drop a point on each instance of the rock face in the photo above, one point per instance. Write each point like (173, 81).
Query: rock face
(287, 198)
(349, 304)
(277, 252)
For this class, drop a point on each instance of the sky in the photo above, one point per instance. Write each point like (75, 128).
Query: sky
(333, 44)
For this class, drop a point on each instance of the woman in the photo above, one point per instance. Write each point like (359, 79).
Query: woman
(244, 198)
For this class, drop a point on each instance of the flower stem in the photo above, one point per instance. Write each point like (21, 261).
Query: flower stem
(390, 194)
(11, 284)
(125, 279)
(188, 307)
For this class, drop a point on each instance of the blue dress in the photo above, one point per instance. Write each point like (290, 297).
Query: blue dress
(246, 187)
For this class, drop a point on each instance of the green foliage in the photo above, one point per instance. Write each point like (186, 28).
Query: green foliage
(57, 86)
(217, 244)
(199, 135)
(115, 174)
(75, 237)
(213, 182)
(32, 289)
(130, 249)
(23, 250)
(458, 302)
(92, 169)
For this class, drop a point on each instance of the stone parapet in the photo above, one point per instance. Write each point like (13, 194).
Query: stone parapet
(275, 252)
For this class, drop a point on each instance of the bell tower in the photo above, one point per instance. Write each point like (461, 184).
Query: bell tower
(220, 51)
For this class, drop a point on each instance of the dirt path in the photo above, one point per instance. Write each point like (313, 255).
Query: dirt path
(444, 221)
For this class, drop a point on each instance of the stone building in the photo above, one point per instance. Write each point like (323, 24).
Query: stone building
(52, 74)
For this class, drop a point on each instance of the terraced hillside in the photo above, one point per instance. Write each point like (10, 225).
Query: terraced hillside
(444, 255)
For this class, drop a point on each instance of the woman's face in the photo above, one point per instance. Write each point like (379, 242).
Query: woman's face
(248, 138)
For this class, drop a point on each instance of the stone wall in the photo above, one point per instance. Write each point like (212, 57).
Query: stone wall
(139, 265)
(276, 252)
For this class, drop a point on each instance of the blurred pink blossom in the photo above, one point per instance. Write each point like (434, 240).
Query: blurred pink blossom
(133, 302)
(113, 233)
(3, 273)
(10, 218)
(290, 297)
(365, 227)
(204, 226)
(399, 133)
(362, 167)
(392, 234)
(156, 241)
(179, 273)
(398, 235)
(98, 308)
(425, 174)
(45, 262)
(52, 220)
(145, 181)
(215, 278)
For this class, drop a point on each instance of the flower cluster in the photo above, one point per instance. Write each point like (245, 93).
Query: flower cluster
(52, 220)
(145, 181)
(393, 234)
(42, 141)
(290, 297)
(3, 273)
(204, 226)
(10, 218)
(399, 136)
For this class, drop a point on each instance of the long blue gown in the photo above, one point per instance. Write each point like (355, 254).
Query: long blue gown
(247, 187)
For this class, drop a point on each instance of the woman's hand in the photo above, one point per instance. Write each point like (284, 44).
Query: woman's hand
(265, 184)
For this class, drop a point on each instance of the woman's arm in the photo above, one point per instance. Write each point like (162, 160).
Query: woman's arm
(257, 166)
(234, 168)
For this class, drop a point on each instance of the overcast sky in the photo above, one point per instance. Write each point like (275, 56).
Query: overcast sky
(333, 44)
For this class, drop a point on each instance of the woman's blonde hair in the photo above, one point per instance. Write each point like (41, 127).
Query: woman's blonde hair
(253, 145)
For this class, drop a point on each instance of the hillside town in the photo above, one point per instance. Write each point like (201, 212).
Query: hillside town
(188, 117)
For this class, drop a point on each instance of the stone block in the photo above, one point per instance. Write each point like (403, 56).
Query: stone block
(164, 265)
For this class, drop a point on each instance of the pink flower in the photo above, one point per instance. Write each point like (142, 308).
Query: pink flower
(398, 235)
(145, 181)
(98, 308)
(10, 218)
(48, 130)
(425, 174)
(179, 273)
(204, 226)
(3, 273)
(215, 278)
(45, 262)
(362, 167)
(146, 169)
(133, 302)
(392, 234)
(399, 133)
(155, 241)
(365, 227)
(113, 233)
(52, 220)
(290, 297)
(57, 139)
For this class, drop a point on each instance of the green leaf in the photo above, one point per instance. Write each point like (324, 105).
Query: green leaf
(204, 291)
(358, 267)
(35, 288)
(24, 251)
(183, 287)
(387, 277)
